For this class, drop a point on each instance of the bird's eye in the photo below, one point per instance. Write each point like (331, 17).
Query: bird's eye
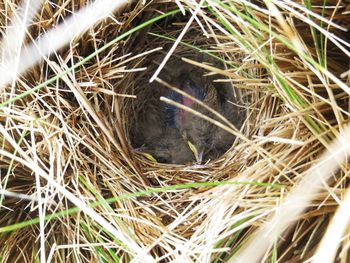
(175, 96)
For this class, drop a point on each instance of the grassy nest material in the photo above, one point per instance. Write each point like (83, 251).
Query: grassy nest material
(88, 173)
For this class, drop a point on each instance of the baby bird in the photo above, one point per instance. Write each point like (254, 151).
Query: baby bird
(174, 135)
(193, 129)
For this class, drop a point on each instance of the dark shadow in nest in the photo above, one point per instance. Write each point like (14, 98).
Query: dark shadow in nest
(169, 133)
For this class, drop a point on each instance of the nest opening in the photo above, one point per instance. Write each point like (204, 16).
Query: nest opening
(183, 130)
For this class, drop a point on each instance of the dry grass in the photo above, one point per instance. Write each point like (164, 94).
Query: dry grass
(74, 190)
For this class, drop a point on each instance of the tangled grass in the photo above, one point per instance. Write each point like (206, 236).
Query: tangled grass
(74, 190)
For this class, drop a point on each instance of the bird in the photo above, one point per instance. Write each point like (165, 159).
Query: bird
(175, 136)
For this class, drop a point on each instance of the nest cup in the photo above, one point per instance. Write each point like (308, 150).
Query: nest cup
(170, 134)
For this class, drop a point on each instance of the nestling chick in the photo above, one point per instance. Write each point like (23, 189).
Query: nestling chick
(166, 132)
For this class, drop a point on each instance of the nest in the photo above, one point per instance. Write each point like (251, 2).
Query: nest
(122, 145)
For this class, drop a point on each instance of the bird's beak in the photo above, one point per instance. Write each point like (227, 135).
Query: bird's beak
(197, 154)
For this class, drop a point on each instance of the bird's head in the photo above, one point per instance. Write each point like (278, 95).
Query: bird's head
(175, 117)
